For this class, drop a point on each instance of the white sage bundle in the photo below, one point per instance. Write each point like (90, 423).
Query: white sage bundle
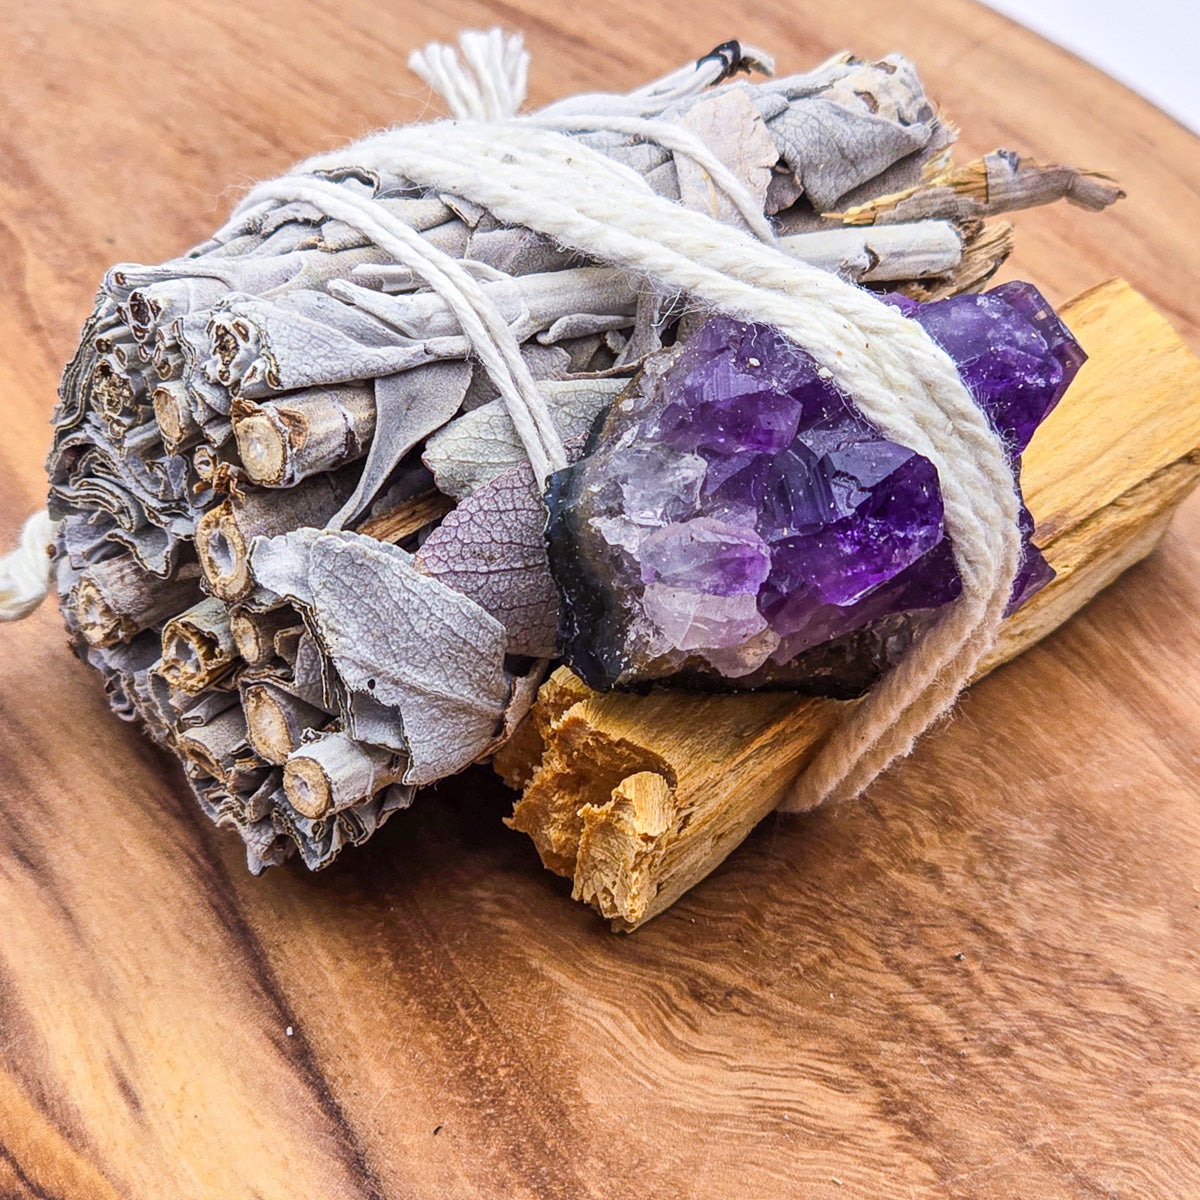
(299, 530)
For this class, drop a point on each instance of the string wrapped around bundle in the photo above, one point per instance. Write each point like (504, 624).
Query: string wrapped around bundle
(691, 386)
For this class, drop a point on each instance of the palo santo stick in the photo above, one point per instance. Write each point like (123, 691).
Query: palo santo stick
(1102, 476)
(408, 517)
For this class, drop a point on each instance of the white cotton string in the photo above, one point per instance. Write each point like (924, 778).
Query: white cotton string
(494, 88)
(679, 140)
(480, 320)
(25, 572)
(899, 378)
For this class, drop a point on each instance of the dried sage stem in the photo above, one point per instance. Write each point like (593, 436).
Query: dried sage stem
(333, 772)
(116, 599)
(197, 647)
(255, 633)
(280, 442)
(277, 721)
(224, 533)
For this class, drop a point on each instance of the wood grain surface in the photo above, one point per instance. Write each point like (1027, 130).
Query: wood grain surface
(981, 980)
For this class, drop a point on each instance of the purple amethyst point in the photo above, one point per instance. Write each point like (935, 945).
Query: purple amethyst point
(736, 522)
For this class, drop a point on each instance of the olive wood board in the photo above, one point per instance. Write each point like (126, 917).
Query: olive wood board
(980, 980)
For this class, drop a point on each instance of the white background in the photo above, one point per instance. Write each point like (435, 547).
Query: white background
(1151, 46)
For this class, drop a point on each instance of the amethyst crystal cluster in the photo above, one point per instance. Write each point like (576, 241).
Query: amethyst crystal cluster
(736, 522)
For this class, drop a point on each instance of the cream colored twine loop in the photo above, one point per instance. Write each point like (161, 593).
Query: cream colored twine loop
(528, 172)
(25, 572)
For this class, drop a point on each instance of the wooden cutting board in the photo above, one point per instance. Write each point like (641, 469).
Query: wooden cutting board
(981, 980)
